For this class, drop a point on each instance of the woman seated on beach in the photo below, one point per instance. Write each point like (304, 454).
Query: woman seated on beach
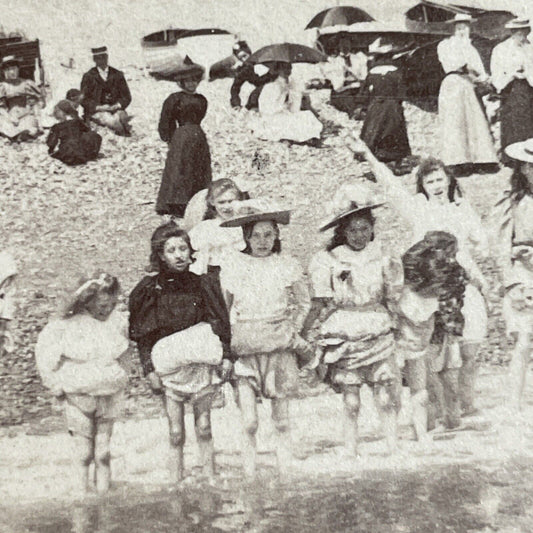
(181, 341)
(77, 142)
(18, 103)
(77, 357)
(284, 112)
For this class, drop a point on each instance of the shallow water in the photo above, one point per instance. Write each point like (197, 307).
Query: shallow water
(458, 498)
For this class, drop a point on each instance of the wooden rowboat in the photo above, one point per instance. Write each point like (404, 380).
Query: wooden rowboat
(164, 55)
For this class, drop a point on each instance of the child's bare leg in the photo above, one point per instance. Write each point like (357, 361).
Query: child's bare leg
(202, 425)
(176, 425)
(247, 404)
(83, 456)
(518, 367)
(387, 401)
(352, 404)
(468, 375)
(102, 463)
(452, 406)
(435, 391)
(280, 416)
(417, 382)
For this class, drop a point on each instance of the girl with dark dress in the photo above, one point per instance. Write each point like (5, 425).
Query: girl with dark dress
(169, 301)
(384, 129)
(188, 164)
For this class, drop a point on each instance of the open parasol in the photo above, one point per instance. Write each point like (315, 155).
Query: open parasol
(287, 53)
(339, 15)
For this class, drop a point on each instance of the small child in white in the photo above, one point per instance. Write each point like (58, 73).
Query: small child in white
(77, 357)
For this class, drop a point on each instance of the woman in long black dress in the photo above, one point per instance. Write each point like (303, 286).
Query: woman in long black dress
(188, 164)
(384, 129)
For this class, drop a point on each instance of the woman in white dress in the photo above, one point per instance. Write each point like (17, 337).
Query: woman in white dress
(259, 286)
(438, 205)
(516, 252)
(280, 111)
(465, 133)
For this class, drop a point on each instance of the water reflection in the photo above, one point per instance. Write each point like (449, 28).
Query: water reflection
(459, 498)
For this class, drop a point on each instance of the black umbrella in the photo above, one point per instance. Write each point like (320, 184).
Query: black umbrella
(287, 53)
(339, 16)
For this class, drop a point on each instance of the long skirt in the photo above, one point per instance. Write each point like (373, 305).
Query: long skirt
(465, 132)
(187, 170)
(516, 113)
(300, 126)
(17, 120)
(385, 131)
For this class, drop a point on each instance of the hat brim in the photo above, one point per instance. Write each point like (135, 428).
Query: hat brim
(339, 218)
(281, 217)
(10, 63)
(519, 152)
(517, 26)
(459, 21)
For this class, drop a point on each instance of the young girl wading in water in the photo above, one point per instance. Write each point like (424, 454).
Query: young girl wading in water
(77, 357)
(258, 285)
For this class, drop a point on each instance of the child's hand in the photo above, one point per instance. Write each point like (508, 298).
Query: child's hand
(155, 382)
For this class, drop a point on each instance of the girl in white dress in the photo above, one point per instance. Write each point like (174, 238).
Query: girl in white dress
(77, 358)
(259, 286)
(439, 206)
(465, 133)
(516, 252)
(354, 285)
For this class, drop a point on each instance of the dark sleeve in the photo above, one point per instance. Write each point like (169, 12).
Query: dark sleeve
(216, 312)
(124, 91)
(167, 121)
(145, 355)
(240, 78)
(53, 139)
(87, 88)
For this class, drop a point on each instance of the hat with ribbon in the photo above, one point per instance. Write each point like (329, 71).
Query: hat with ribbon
(518, 24)
(189, 71)
(87, 287)
(8, 61)
(99, 50)
(348, 200)
(256, 210)
(521, 151)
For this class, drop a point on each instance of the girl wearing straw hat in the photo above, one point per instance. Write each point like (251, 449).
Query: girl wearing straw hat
(181, 342)
(353, 287)
(465, 134)
(440, 206)
(511, 66)
(516, 252)
(258, 285)
(77, 356)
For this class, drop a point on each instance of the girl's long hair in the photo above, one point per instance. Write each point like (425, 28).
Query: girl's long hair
(157, 243)
(519, 184)
(247, 230)
(339, 235)
(430, 165)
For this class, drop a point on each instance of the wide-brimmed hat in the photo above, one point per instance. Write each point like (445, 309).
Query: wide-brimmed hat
(461, 17)
(348, 200)
(256, 210)
(521, 151)
(189, 71)
(9, 60)
(381, 47)
(518, 24)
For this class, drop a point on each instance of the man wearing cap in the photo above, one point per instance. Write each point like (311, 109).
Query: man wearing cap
(106, 94)
(511, 67)
(18, 103)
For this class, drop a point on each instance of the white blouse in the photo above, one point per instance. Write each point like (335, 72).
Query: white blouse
(455, 52)
(508, 58)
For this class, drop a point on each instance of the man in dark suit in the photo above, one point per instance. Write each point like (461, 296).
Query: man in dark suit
(106, 94)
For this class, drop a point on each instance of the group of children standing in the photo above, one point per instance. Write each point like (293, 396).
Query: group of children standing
(224, 303)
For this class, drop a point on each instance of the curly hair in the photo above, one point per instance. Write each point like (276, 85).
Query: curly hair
(427, 167)
(339, 235)
(157, 243)
(216, 189)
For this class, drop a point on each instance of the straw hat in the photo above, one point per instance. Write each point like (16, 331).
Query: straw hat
(461, 17)
(521, 151)
(256, 210)
(99, 50)
(7, 61)
(518, 24)
(348, 200)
